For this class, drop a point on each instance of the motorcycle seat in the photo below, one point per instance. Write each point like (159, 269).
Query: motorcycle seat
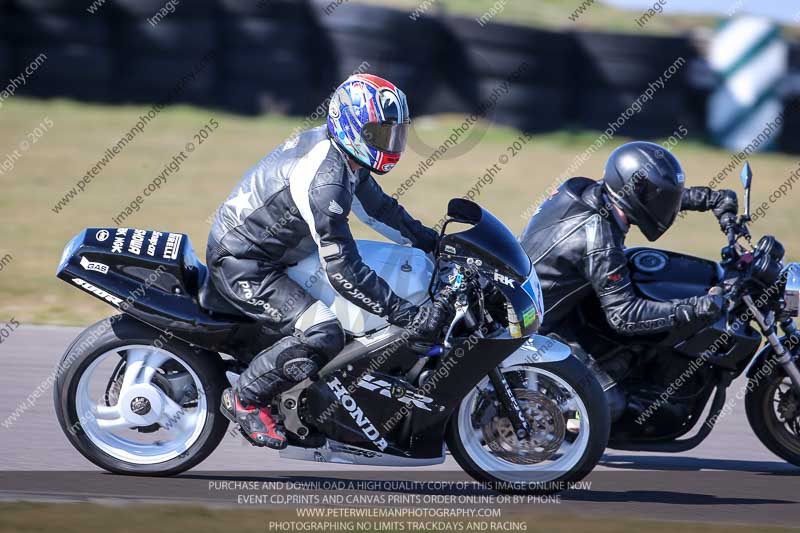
(209, 297)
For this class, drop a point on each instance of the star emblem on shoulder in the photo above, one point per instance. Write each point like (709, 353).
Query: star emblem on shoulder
(241, 202)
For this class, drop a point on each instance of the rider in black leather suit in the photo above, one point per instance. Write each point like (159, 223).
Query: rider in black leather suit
(576, 240)
(293, 203)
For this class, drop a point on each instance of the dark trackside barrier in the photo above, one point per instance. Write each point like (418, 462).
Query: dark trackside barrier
(286, 56)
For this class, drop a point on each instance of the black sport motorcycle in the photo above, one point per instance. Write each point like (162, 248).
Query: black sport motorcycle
(668, 378)
(139, 392)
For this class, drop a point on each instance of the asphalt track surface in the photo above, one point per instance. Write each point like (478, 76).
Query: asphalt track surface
(731, 477)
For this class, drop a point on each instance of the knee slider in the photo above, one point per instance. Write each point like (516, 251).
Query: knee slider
(297, 363)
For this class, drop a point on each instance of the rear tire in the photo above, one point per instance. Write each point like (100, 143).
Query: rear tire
(117, 333)
(537, 480)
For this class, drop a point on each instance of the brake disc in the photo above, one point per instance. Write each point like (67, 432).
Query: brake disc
(547, 424)
(789, 409)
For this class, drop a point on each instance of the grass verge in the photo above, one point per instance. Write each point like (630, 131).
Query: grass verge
(34, 235)
(89, 518)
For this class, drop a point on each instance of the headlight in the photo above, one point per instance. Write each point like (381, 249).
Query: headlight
(791, 295)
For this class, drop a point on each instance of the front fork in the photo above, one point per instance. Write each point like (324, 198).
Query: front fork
(783, 356)
(510, 404)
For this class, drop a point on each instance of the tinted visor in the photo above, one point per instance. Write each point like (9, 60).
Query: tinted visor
(660, 205)
(386, 136)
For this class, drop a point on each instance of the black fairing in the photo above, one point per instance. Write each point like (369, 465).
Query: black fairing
(154, 277)
(488, 238)
(415, 431)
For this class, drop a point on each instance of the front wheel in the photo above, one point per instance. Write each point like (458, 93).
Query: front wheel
(568, 414)
(773, 410)
(134, 400)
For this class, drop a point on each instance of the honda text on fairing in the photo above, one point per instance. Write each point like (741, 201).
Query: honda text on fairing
(140, 393)
(668, 378)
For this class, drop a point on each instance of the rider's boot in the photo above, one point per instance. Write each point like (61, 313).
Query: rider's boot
(256, 423)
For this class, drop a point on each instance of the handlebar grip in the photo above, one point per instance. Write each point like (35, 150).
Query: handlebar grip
(727, 222)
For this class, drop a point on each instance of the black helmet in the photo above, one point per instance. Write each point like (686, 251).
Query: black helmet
(646, 181)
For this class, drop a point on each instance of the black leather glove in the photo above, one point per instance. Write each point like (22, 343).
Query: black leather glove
(706, 308)
(429, 320)
(404, 314)
(724, 202)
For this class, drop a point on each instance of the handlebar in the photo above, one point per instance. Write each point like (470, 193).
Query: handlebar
(729, 226)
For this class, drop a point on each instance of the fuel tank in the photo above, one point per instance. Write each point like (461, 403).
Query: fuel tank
(407, 270)
(663, 275)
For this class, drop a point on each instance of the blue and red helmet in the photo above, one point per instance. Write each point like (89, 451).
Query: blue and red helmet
(368, 118)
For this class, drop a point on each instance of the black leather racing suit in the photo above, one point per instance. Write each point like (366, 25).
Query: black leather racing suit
(576, 243)
(295, 202)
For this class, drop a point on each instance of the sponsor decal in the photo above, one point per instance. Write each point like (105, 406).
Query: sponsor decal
(335, 208)
(101, 235)
(173, 246)
(387, 167)
(96, 267)
(249, 295)
(350, 405)
(110, 298)
(137, 241)
(246, 290)
(346, 287)
(119, 240)
(449, 249)
(528, 316)
(384, 388)
(505, 280)
(152, 243)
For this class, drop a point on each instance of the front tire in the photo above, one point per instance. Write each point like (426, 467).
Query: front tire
(773, 411)
(156, 413)
(545, 463)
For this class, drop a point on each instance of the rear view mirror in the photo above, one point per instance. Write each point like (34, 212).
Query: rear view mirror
(747, 180)
(464, 211)
(746, 175)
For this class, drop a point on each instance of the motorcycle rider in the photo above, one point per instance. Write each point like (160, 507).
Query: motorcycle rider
(295, 202)
(576, 241)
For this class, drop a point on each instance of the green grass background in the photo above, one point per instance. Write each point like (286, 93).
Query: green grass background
(35, 236)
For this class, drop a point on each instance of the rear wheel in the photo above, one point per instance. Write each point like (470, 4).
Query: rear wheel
(773, 410)
(133, 400)
(569, 418)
